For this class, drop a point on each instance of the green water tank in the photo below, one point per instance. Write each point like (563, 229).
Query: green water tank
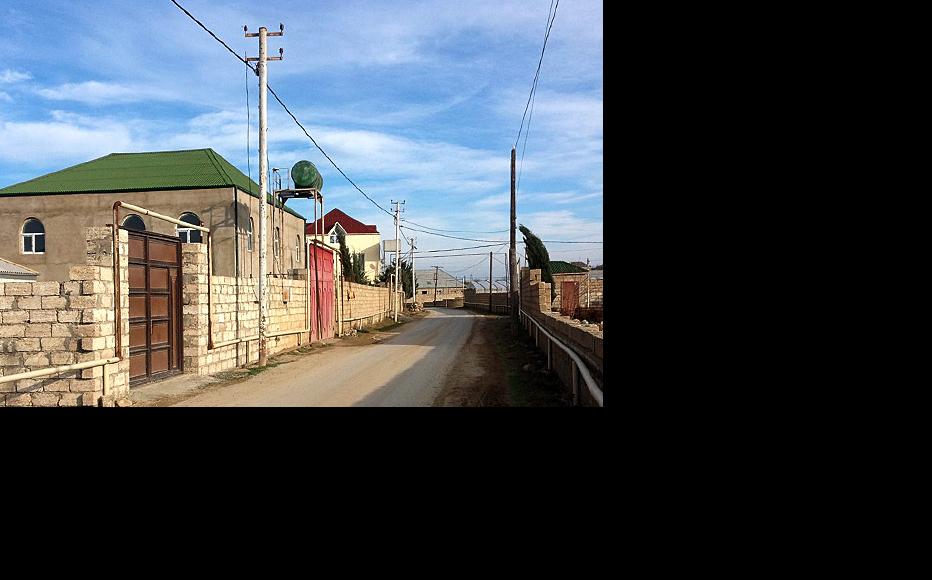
(305, 176)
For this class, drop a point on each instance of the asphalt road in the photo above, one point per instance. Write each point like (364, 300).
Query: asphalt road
(406, 370)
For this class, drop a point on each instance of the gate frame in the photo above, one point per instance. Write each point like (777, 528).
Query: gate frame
(179, 335)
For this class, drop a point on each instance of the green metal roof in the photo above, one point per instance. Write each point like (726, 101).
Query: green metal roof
(560, 267)
(154, 171)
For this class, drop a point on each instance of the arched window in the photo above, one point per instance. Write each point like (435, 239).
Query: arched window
(134, 222)
(189, 235)
(250, 238)
(33, 237)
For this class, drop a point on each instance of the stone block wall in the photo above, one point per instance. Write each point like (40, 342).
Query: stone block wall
(235, 305)
(535, 294)
(53, 324)
(585, 340)
(501, 301)
(442, 294)
(595, 293)
(580, 280)
(363, 305)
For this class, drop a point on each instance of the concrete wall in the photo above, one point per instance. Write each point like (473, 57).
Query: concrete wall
(51, 323)
(66, 215)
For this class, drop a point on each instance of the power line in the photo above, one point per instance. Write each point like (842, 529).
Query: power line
(534, 97)
(469, 268)
(457, 249)
(486, 254)
(284, 106)
(248, 130)
(454, 237)
(500, 241)
(456, 231)
(551, 16)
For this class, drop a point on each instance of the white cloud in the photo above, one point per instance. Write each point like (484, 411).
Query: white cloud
(12, 76)
(96, 93)
(5, 97)
(43, 143)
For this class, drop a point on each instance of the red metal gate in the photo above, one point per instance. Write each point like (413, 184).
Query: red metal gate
(569, 297)
(321, 290)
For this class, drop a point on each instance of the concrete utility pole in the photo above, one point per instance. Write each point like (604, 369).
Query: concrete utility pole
(413, 272)
(397, 256)
(262, 71)
(512, 251)
(490, 281)
(436, 272)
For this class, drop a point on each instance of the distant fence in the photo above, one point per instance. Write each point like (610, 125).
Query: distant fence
(484, 306)
(446, 303)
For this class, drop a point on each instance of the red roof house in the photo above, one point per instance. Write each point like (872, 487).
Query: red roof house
(349, 225)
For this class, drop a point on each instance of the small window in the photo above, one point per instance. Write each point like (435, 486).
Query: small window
(423, 291)
(189, 235)
(297, 251)
(250, 237)
(135, 223)
(277, 243)
(33, 237)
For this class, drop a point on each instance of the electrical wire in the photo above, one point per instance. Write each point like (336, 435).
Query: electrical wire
(284, 106)
(457, 249)
(455, 255)
(456, 231)
(499, 241)
(248, 132)
(464, 269)
(452, 237)
(551, 16)
(533, 96)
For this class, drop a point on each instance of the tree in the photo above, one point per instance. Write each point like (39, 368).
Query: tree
(538, 258)
(359, 269)
(407, 277)
(346, 264)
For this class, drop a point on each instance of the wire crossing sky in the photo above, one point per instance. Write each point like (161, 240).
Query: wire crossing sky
(414, 100)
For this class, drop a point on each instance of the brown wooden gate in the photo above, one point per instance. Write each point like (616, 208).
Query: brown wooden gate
(569, 297)
(155, 337)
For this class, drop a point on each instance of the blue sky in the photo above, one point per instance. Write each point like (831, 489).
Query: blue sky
(418, 101)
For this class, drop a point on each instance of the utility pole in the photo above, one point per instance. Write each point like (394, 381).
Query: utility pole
(413, 272)
(512, 251)
(490, 281)
(262, 71)
(436, 272)
(397, 255)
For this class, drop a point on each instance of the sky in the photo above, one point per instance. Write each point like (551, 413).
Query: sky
(418, 101)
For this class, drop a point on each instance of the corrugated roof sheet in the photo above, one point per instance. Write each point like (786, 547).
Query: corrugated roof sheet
(425, 279)
(8, 267)
(350, 225)
(151, 171)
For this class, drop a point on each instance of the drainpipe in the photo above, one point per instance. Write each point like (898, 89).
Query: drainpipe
(117, 304)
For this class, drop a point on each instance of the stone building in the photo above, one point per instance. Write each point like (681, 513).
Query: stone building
(42, 220)
(435, 284)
